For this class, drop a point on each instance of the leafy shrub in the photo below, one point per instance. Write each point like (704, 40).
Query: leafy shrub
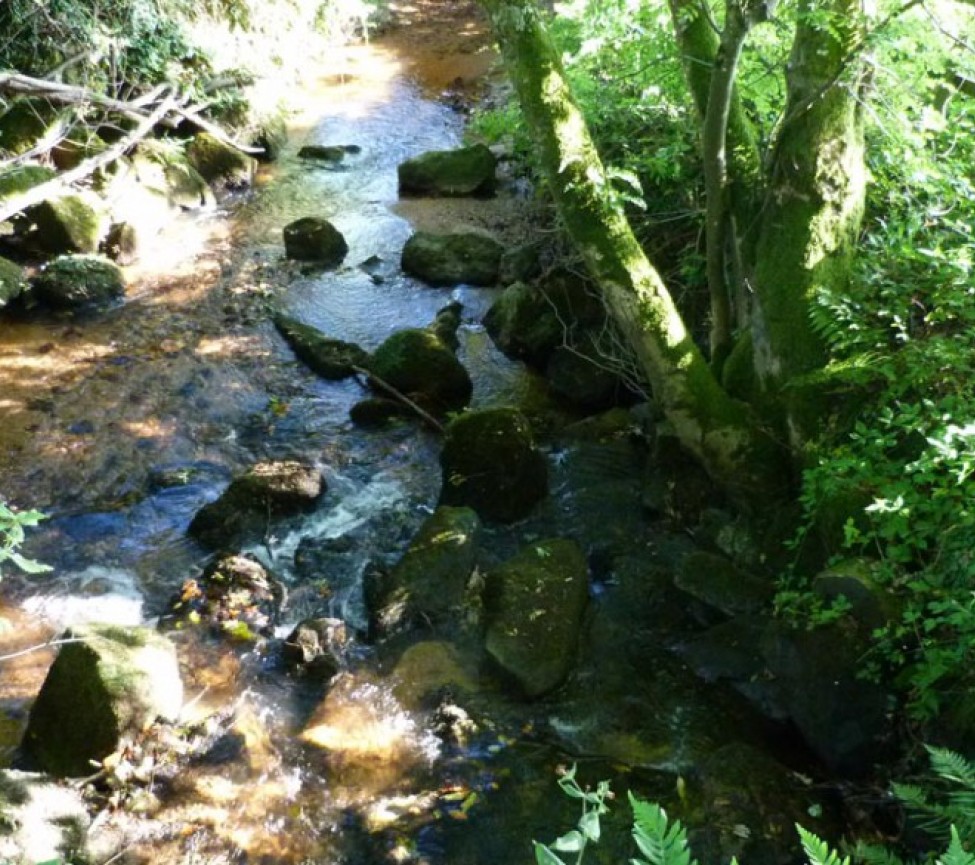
(12, 525)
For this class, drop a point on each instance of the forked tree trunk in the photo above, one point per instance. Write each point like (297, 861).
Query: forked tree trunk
(815, 200)
(719, 431)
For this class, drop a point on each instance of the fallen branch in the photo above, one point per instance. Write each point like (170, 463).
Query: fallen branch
(12, 206)
(399, 396)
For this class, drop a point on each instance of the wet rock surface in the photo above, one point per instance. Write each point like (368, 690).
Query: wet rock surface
(452, 259)
(465, 171)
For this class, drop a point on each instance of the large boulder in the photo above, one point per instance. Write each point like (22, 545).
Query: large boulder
(490, 463)
(464, 258)
(428, 586)
(106, 683)
(219, 163)
(269, 489)
(419, 364)
(69, 223)
(529, 322)
(165, 170)
(12, 281)
(534, 607)
(716, 582)
(315, 240)
(331, 358)
(24, 122)
(465, 171)
(74, 281)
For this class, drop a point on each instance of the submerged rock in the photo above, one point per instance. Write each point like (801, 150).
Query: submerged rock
(110, 682)
(534, 607)
(268, 490)
(330, 358)
(74, 281)
(460, 172)
(331, 153)
(490, 463)
(219, 163)
(377, 411)
(12, 281)
(465, 258)
(428, 586)
(315, 647)
(315, 240)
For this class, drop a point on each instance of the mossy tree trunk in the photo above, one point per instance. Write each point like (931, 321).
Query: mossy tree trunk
(719, 431)
(814, 203)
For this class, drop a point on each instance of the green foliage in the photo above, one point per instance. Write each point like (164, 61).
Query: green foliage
(588, 829)
(12, 525)
(661, 841)
(900, 338)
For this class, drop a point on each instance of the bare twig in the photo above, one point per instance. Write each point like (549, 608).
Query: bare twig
(48, 645)
(400, 397)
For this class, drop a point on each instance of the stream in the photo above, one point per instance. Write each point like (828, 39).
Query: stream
(189, 380)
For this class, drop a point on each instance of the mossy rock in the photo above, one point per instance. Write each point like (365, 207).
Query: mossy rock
(219, 163)
(419, 364)
(69, 223)
(315, 240)
(165, 169)
(332, 359)
(12, 281)
(585, 380)
(716, 582)
(855, 581)
(269, 489)
(450, 173)
(534, 607)
(121, 243)
(375, 412)
(463, 258)
(490, 463)
(427, 669)
(333, 154)
(24, 123)
(25, 177)
(74, 281)
(272, 137)
(110, 682)
(520, 264)
(428, 586)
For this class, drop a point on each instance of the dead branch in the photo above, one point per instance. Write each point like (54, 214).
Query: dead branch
(399, 396)
(17, 204)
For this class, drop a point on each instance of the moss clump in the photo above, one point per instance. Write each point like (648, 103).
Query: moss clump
(464, 258)
(12, 281)
(465, 171)
(220, 163)
(316, 240)
(79, 280)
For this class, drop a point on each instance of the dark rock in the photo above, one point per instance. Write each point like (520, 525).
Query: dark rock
(420, 365)
(235, 594)
(219, 163)
(12, 281)
(534, 608)
(74, 281)
(817, 678)
(751, 805)
(121, 243)
(110, 682)
(375, 412)
(586, 380)
(490, 463)
(268, 490)
(315, 646)
(461, 172)
(716, 582)
(272, 137)
(334, 153)
(330, 358)
(447, 323)
(428, 586)
(520, 264)
(316, 240)
(452, 259)
(871, 605)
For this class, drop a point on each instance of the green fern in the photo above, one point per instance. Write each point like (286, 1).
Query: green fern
(956, 854)
(818, 852)
(661, 841)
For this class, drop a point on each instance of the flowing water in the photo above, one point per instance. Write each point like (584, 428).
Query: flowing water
(189, 379)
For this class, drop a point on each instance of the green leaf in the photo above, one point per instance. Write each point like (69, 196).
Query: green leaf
(544, 856)
(28, 566)
(589, 825)
(956, 854)
(571, 842)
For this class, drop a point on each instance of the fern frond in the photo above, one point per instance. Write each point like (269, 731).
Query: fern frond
(956, 853)
(875, 854)
(818, 852)
(952, 766)
(661, 841)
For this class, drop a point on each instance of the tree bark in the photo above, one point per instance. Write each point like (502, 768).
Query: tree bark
(719, 431)
(815, 199)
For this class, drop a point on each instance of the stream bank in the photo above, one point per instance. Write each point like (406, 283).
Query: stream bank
(123, 427)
